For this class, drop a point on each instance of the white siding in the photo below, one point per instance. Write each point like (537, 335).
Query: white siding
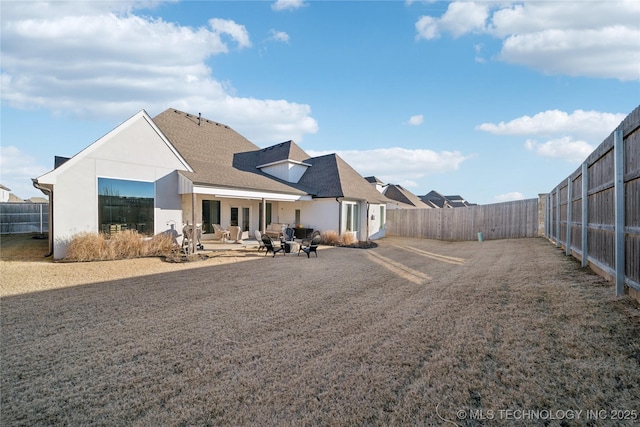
(133, 151)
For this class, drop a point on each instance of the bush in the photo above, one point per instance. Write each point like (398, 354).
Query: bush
(330, 238)
(128, 244)
(348, 239)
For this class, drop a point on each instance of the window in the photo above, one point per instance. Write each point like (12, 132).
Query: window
(352, 216)
(240, 217)
(297, 220)
(382, 222)
(245, 219)
(210, 215)
(234, 216)
(125, 205)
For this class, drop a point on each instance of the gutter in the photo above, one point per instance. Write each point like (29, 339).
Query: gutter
(49, 193)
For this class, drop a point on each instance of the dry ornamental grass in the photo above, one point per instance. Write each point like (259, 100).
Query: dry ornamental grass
(414, 332)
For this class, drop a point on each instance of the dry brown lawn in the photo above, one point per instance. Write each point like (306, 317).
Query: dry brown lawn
(414, 332)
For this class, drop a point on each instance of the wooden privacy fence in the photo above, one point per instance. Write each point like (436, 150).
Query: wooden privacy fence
(595, 213)
(24, 218)
(495, 221)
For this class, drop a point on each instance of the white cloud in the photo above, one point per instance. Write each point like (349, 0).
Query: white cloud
(17, 169)
(399, 165)
(287, 4)
(593, 125)
(238, 33)
(595, 39)
(99, 59)
(416, 120)
(459, 19)
(508, 197)
(564, 148)
(279, 36)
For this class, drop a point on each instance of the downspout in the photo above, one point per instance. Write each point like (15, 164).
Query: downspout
(48, 192)
(339, 215)
(367, 219)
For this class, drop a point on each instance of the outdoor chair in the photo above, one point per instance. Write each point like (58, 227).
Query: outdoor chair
(270, 246)
(235, 233)
(311, 245)
(220, 233)
(259, 240)
(288, 235)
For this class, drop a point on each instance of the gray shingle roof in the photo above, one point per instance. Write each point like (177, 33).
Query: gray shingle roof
(211, 149)
(220, 156)
(401, 194)
(330, 176)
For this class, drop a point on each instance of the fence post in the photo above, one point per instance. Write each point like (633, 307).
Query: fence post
(585, 213)
(618, 154)
(557, 217)
(569, 213)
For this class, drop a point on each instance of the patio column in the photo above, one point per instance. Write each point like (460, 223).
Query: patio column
(193, 223)
(263, 226)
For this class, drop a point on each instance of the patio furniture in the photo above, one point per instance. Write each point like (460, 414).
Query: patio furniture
(189, 237)
(235, 233)
(220, 233)
(270, 246)
(312, 245)
(259, 240)
(275, 230)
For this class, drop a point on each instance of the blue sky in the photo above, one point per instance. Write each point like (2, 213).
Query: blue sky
(491, 100)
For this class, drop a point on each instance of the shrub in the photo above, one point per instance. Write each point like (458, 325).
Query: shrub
(128, 244)
(330, 237)
(348, 239)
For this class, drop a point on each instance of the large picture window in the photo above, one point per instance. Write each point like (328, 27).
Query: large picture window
(125, 205)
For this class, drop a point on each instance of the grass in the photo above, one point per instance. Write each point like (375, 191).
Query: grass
(410, 332)
(127, 244)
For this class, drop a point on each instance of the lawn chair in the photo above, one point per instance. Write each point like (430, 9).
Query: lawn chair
(259, 240)
(289, 235)
(270, 246)
(220, 233)
(309, 246)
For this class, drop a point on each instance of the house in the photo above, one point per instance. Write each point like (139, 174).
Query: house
(437, 200)
(156, 174)
(4, 193)
(399, 197)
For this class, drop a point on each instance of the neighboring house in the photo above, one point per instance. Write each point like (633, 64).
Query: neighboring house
(154, 175)
(405, 198)
(4, 193)
(437, 200)
(399, 197)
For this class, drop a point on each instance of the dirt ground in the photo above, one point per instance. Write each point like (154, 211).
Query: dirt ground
(416, 332)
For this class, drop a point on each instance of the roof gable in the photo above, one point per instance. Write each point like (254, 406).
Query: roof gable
(330, 176)
(133, 133)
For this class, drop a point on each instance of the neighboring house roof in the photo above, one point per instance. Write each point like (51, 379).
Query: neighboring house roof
(440, 201)
(401, 194)
(2, 187)
(435, 198)
(15, 199)
(38, 200)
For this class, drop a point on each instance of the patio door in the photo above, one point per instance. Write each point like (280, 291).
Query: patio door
(241, 217)
(210, 214)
